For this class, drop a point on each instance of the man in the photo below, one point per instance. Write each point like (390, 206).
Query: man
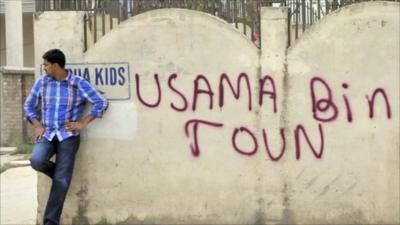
(62, 97)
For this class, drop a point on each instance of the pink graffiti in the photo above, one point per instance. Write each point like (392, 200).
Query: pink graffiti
(301, 129)
(265, 138)
(255, 147)
(322, 104)
(140, 97)
(236, 94)
(271, 93)
(371, 103)
(346, 101)
(198, 91)
(252, 149)
(202, 87)
(180, 94)
(195, 148)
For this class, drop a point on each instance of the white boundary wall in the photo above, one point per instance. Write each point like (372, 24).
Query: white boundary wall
(138, 165)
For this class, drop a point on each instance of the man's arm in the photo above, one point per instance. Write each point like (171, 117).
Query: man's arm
(99, 105)
(30, 106)
(39, 129)
(79, 125)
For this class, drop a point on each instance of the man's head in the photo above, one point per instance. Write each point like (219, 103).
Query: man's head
(53, 61)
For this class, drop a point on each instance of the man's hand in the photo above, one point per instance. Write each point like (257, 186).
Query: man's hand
(39, 131)
(74, 126)
(79, 125)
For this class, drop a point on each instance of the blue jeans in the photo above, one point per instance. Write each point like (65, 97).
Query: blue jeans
(60, 171)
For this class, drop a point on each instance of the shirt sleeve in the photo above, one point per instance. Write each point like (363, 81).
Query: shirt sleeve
(32, 101)
(100, 104)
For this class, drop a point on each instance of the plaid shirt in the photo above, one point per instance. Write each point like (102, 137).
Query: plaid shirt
(61, 102)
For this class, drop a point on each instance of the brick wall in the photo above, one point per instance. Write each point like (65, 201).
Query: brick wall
(15, 85)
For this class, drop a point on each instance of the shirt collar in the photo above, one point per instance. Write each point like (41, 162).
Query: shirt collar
(67, 78)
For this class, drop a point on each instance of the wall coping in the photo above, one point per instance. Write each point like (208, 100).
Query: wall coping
(17, 70)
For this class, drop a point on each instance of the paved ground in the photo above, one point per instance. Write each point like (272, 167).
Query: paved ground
(18, 200)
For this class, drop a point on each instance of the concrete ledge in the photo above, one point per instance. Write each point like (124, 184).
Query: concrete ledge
(8, 150)
(17, 70)
(19, 163)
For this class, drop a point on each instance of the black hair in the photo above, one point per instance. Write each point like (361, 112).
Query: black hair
(55, 56)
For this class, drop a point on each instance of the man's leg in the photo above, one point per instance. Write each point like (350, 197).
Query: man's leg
(40, 158)
(65, 160)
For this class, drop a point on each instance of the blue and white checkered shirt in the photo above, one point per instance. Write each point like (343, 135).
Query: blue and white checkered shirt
(61, 102)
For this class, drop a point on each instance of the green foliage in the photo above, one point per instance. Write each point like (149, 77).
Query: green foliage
(103, 221)
(24, 148)
(245, 20)
(200, 5)
(26, 157)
